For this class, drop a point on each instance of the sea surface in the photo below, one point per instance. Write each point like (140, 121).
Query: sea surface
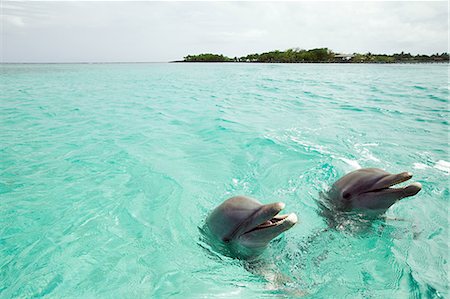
(108, 171)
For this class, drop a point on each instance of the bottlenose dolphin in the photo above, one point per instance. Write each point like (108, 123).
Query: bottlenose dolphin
(361, 196)
(245, 227)
(370, 189)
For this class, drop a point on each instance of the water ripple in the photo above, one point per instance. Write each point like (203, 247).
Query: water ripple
(107, 172)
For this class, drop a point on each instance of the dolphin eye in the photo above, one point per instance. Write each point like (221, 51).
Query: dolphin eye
(346, 195)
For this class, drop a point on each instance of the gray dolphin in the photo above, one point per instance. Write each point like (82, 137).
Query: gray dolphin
(245, 226)
(370, 189)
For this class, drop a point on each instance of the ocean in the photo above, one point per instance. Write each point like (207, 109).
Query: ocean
(108, 171)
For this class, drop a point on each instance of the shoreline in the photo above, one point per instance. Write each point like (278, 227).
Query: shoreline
(316, 62)
(320, 55)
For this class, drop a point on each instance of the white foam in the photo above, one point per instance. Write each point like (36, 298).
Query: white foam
(420, 166)
(443, 166)
(366, 144)
(365, 152)
(352, 163)
(372, 157)
(310, 146)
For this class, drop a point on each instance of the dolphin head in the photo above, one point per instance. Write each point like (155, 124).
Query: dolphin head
(247, 225)
(371, 189)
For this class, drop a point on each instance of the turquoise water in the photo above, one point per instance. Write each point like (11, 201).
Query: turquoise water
(108, 171)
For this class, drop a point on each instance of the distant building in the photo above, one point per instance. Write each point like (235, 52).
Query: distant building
(345, 57)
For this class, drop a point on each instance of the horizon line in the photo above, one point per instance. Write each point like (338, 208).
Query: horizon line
(84, 62)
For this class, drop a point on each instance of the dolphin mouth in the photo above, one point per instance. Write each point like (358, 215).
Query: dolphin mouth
(274, 219)
(385, 185)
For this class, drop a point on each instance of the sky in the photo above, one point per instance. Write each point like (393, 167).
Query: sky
(158, 31)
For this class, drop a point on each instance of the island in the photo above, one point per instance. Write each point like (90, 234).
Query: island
(319, 55)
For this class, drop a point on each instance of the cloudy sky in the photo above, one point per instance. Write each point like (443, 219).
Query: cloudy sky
(163, 31)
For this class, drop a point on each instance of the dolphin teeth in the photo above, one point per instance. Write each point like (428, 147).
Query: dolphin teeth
(276, 220)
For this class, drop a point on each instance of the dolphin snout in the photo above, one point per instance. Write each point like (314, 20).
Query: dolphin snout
(280, 205)
(291, 219)
(407, 175)
(412, 189)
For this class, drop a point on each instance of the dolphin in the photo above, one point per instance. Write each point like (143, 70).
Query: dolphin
(245, 226)
(370, 189)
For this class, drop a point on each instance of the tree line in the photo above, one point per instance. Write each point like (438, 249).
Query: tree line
(319, 55)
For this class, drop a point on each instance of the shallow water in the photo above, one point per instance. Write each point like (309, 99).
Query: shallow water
(108, 172)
